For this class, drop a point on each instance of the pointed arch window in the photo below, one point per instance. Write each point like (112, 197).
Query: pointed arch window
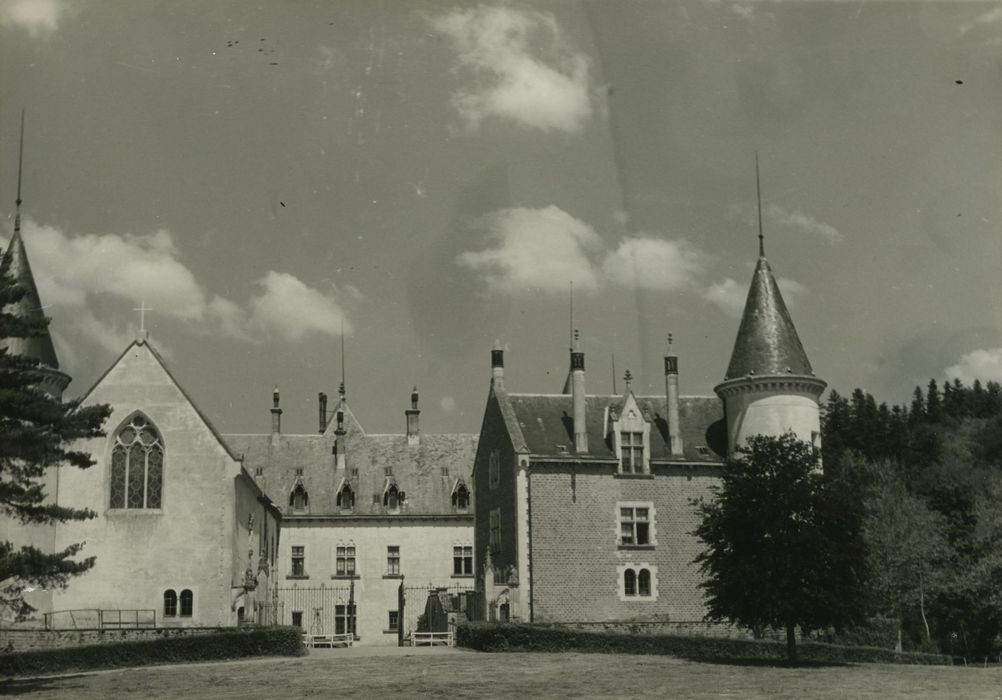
(137, 465)
(461, 497)
(393, 497)
(299, 499)
(345, 498)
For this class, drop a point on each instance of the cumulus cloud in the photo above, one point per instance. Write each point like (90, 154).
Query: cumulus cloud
(730, 296)
(545, 249)
(521, 66)
(293, 310)
(803, 223)
(78, 275)
(653, 263)
(37, 17)
(985, 365)
(535, 249)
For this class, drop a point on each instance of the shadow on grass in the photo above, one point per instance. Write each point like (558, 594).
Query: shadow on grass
(24, 686)
(764, 663)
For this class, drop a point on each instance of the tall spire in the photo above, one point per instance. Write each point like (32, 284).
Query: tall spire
(341, 388)
(14, 262)
(758, 196)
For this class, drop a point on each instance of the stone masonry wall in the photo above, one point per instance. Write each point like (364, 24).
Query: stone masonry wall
(31, 639)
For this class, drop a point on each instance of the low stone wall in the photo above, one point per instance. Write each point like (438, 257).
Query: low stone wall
(29, 639)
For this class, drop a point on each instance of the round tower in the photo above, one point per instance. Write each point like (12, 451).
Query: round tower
(769, 387)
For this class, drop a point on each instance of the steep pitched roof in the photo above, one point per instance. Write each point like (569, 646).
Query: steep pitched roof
(767, 342)
(15, 263)
(545, 426)
(426, 472)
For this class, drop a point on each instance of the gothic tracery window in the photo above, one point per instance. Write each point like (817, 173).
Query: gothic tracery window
(137, 465)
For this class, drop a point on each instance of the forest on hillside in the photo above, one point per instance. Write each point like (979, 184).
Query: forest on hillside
(929, 476)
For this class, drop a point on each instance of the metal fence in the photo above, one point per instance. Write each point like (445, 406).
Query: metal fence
(92, 618)
(414, 599)
(318, 610)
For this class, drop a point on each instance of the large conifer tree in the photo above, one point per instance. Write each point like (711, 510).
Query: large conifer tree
(37, 432)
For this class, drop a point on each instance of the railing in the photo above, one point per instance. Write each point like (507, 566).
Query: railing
(432, 639)
(92, 618)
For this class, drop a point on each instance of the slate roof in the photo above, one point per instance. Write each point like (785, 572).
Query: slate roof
(426, 472)
(544, 425)
(15, 263)
(767, 343)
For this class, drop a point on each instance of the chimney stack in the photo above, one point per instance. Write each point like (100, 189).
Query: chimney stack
(497, 366)
(413, 434)
(578, 397)
(276, 415)
(322, 417)
(671, 395)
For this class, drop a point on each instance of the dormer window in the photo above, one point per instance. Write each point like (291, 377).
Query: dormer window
(460, 497)
(631, 452)
(345, 498)
(393, 497)
(631, 435)
(299, 499)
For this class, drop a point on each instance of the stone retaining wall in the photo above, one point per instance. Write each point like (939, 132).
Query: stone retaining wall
(30, 639)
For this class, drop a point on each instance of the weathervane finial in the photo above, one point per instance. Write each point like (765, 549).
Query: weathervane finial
(758, 193)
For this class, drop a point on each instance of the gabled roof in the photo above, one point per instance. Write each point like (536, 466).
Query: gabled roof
(545, 426)
(163, 365)
(767, 342)
(425, 472)
(15, 263)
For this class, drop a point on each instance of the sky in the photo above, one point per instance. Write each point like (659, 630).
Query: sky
(416, 180)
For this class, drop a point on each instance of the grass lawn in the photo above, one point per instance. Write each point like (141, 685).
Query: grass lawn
(468, 674)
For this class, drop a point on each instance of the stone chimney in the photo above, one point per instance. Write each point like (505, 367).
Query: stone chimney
(322, 411)
(497, 366)
(276, 416)
(412, 413)
(578, 397)
(672, 402)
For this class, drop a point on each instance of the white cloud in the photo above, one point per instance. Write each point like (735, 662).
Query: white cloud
(37, 17)
(78, 275)
(992, 16)
(653, 263)
(730, 296)
(293, 310)
(500, 47)
(804, 223)
(535, 249)
(985, 365)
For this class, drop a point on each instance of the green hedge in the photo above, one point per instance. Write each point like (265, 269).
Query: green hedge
(225, 644)
(522, 637)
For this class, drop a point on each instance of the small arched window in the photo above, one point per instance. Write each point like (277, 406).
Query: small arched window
(137, 465)
(461, 497)
(630, 582)
(644, 582)
(170, 603)
(346, 497)
(299, 498)
(187, 602)
(391, 497)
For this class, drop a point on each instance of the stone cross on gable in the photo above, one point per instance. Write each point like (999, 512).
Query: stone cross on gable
(142, 309)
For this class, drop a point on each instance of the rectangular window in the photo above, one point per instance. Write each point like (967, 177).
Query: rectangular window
(297, 618)
(462, 561)
(345, 561)
(494, 468)
(393, 622)
(495, 531)
(393, 560)
(344, 619)
(634, 526)
(631, 455)
(299, 561)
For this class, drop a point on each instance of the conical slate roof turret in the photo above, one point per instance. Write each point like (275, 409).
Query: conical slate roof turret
(767, 342)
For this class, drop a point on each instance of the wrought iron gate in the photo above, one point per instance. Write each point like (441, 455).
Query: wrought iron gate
(318, 610)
